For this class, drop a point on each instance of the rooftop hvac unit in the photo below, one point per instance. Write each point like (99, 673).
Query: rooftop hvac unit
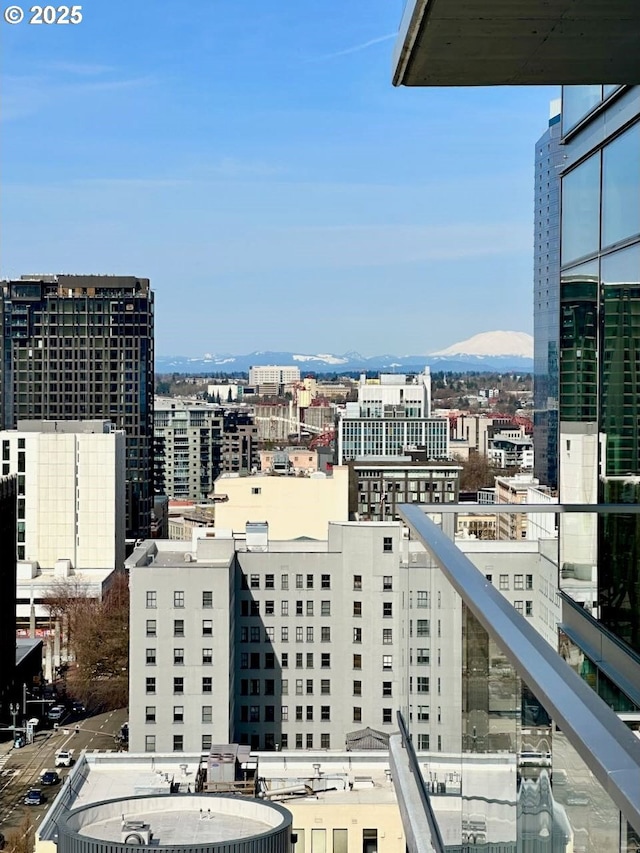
(136, 832)
(188, 557)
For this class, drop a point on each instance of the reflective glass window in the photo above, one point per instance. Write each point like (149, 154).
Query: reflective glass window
(621, 187)
(581, 210)
(577, 101)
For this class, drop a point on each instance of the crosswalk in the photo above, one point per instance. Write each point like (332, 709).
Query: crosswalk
(5, 773)
(3, 760)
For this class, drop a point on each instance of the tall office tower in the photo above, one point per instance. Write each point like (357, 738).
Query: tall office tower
(546, 300)
(7, 593)
(600, 358)
(79, 347)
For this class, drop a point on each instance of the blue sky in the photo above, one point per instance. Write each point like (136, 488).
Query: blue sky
(255, 162)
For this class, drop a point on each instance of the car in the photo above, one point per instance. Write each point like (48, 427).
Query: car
(56, 713)
(78, 708)
(34, 797)
(64, 758)
(49, 777)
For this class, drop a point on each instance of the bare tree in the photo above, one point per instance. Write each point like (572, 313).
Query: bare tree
(20, 839)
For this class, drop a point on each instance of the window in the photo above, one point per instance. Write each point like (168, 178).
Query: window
(178, 713)
(269, 581)
(387, 609)
(325, 660)
(151, 657)
(284, 660)
(309, 660)
(284, 713)
(178, 598)
(422, 628)
(150, 685)
(423, 741)
(207, 599)
(325, 581)
(151, 627)
(269, 634)
(152, 598)
(325, 713)
(325, 608)
(284, 687)
(357, 688)
(387, 583)
(207, 741)
(207, 628)
(255, 608)
(299, 741)
(178, 657)
(299, 660)
(518, 581)
(422, 598)
(284, 740)
(207, 684)
(309, 581)
(325, 743)
(309, 716)
(254, 713)
(422, 657)
(529, 582)
(299, 581)
(357, 714)
(178, 684)
(269, 608)
(299, 686)
(254, 581)
(284, 581)
(387, 636)
(422, 684)
(489, 578)
(254, 634)
(325, 687)
(284, 608)
(357, 581)
(309, 608)
(299, 608)
(269, 687)
(284, 635)
(357, 661)
(269, 713)
(309, 686)
(178, 627)
(299, 713)
(387, 544)
(519, 606)
(269, 660)
(387, 688)
(299, 634)
(325, 635)
(387, 716)
(423, 713)
(357, 635)
(357, 608)
(504, 582)
(256, 490)
(207, 713)
(528, 608)
(150, 714)
(207, 657)
(149, 743)
(387, 662)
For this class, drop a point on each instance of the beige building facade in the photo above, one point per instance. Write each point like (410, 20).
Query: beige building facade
(283, 502)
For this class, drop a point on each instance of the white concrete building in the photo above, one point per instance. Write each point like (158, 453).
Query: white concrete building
(270, 378)
(71, 506)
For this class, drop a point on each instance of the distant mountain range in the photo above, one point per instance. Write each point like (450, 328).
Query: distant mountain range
(489, 351)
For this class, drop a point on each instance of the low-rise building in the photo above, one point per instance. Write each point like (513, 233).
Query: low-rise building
(283, 502)
(289, 460)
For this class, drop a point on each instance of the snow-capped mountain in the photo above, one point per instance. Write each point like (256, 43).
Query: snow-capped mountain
(491, 351)
(492, 344)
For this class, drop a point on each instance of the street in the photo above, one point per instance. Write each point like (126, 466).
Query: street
(21, 769)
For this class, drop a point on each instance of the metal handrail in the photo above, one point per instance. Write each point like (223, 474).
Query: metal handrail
(601, 739)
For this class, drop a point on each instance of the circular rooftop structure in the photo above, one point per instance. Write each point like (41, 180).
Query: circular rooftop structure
(179, 822)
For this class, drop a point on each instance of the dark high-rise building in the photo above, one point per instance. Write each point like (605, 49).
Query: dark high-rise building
(546, 300)
(7, 594)
(81, 347)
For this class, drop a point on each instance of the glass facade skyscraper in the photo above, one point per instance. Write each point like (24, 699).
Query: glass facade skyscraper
(546, 300)
(599, 352)
(80, 347)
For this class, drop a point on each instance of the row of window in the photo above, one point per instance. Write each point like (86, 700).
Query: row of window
(303, 686)
(519, 581)
(178, 598)
(254, 634)
(267, 714)
(307, 582)
(178, 684)
(178, 657)
(178, 628)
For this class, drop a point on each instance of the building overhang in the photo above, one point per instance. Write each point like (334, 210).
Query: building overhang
(528, 42)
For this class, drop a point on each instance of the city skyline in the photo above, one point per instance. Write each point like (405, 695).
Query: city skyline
(270, 157)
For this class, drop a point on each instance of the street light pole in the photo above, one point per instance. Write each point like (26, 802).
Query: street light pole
(14, 710)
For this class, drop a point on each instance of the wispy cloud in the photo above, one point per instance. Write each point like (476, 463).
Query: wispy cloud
(356, 48)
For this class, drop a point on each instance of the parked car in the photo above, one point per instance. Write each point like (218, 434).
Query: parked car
(49, 777)
(78, 708)
(64, 758)
(34, 797)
